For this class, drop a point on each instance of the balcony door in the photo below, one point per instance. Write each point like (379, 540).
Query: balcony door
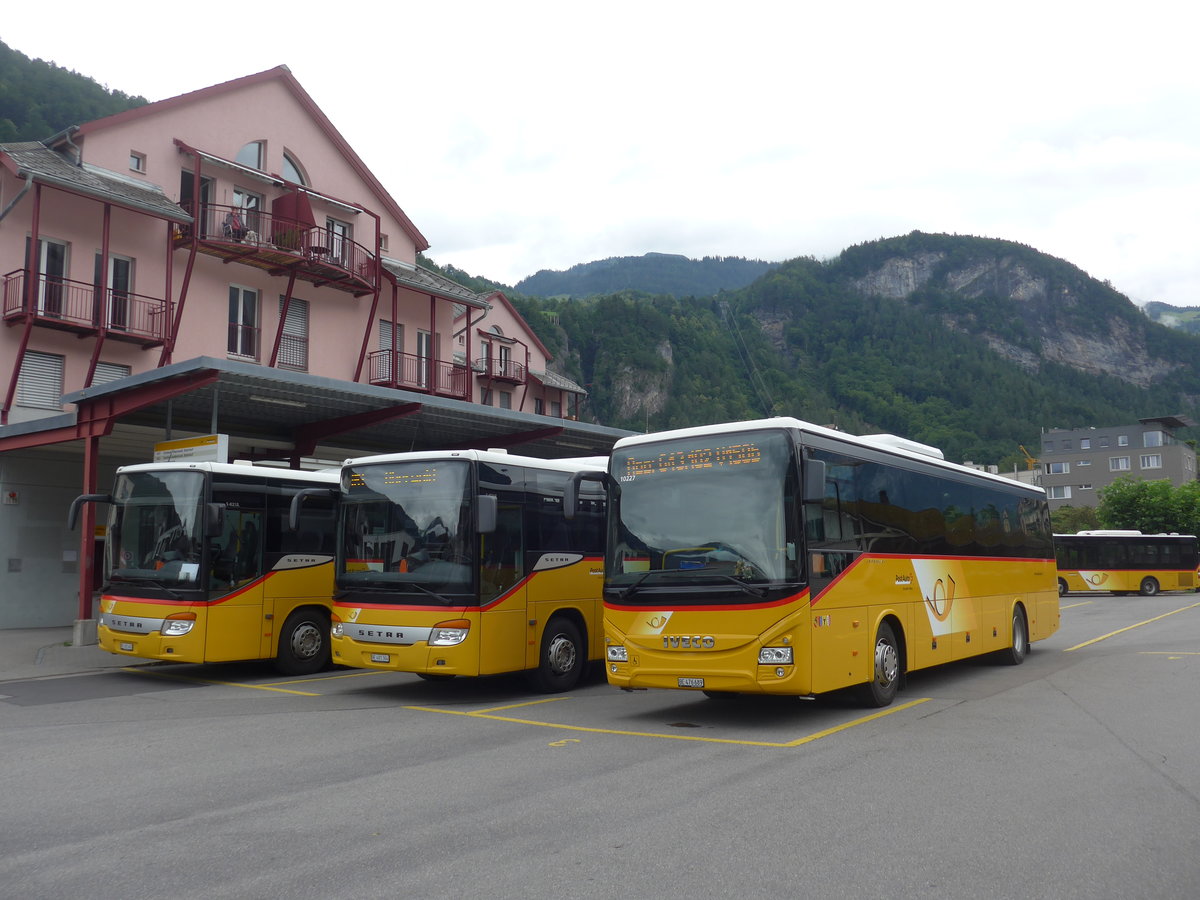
(119, 287)
(52, 276)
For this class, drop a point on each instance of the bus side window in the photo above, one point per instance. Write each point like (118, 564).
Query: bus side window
(502, 552)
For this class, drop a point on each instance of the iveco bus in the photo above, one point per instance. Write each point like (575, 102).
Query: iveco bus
(780, 557)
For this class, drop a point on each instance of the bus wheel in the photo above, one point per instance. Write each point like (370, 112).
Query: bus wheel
(1062, 587)
(562, 657)
(885, 680)
(1015, 654)
(1149, 587)
(303, 643)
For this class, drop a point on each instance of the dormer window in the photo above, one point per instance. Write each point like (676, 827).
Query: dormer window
(292, 171)
(251, 155)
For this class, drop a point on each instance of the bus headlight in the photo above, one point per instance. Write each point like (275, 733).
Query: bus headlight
(617, 653)
(178, 623)
(335, 626)
(448, 634)
(774, 656)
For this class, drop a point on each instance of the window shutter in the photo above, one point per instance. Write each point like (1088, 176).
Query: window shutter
(109, 372)
(40, 383)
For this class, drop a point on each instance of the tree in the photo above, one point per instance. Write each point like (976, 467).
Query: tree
(1151, 507)
(1073, 519)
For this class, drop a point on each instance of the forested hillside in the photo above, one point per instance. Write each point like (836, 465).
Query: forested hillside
(654, 273)
(39, 99)
(971, 344)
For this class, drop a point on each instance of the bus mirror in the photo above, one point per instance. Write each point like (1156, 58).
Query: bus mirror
(571, 491)
(486, 513)
(814, 480)
(214, 519)
(293, 521)
(77, 503)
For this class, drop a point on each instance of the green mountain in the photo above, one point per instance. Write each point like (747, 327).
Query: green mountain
(655, 273)
(39, 99)
(971, 344)
(1185, 318)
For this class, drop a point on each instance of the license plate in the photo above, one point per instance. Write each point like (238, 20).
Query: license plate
(126, 646)
(379, 657)
(691, 682)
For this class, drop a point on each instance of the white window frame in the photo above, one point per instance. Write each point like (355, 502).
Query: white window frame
(1122, 440)
(1058, 468)
(245, 293)
(1150, 461)
(1058, 492)
(1118, 464)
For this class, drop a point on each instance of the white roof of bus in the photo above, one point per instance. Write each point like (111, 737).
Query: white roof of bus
(322, 476)
(492, 457)
(886, 442)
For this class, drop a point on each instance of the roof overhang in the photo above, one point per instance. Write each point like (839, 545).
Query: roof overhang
(274, 414)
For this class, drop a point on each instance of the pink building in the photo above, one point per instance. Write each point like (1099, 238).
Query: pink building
(185, 247)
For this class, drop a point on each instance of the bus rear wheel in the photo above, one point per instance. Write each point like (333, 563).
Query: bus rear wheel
(303, 643)
(1148, 588)
(885, 676)
(561, 659)
(1062, 587)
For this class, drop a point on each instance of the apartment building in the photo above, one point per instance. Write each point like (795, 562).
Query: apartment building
(1076, 463)
(224, 261)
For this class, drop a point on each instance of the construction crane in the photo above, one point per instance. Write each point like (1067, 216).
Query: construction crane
(1030, 462)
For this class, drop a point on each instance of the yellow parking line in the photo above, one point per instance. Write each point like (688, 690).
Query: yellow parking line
(356, 674)
(675, 737)
(1104, 637)
(1081, 603)
(256, 687)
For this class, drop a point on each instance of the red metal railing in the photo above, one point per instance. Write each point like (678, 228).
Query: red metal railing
(256, 230)
(61, 302)
(412, 372)
(504, 369)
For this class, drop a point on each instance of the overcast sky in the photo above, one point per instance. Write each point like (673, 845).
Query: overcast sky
(522, 136)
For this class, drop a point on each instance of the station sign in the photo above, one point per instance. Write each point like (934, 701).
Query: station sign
(207, 448)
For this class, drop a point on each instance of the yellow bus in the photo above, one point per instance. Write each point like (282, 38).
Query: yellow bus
(1125, 562)
(779, 557)
(200, 565)
(462, 563)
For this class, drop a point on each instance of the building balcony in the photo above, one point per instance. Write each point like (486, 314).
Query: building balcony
(418, 373)
(282, 245)
(84, 309)
(501, 370)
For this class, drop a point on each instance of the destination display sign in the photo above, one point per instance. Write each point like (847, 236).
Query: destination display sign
(372, 478)
(686, 459)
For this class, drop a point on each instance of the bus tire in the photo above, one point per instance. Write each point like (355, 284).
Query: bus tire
(885, 673)
(303, 642)
(1015, 653)
(1149, 587)
(561, 659)
(1062, 587)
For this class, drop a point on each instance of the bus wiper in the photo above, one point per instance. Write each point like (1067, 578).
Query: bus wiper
(624, 592)
(747, 588)
(153, 582)
(389, 588)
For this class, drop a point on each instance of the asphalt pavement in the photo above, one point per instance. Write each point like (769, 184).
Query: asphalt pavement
(47, 652)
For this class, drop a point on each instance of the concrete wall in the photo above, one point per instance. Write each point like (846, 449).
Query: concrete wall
(39, 566)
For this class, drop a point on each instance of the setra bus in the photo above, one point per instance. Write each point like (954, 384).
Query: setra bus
(1126, 561)
(780, 557)
(462, 563)
(200, 565)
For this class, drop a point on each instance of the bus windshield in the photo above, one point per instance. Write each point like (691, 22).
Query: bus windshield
(155, 528)
(407, 525)
(716, 509)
